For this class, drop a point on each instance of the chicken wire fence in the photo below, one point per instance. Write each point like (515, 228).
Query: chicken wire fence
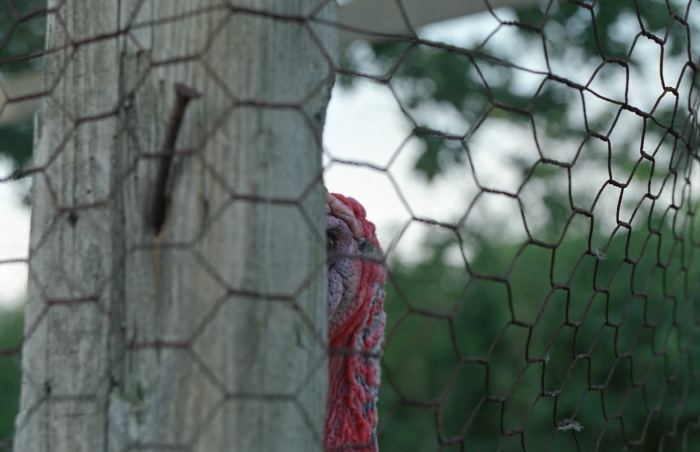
(533, 174)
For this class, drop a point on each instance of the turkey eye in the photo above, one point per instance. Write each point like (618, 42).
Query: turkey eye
(331, 239)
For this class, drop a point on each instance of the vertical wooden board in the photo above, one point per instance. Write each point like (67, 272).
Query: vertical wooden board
(243, 150)
(121, 322)
(65, 368)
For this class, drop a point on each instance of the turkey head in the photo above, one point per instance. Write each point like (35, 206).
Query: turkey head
(356, 320)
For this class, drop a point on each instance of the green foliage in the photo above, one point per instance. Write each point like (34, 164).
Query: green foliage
(549, 345)
(16, 143)
(549, 340)
(11, 322)
(481, 80)
(22, 29)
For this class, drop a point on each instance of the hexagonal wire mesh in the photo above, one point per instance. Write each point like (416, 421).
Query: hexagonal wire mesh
(533, 174)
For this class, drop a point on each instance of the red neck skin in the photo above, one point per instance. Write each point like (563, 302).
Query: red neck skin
(356, 344)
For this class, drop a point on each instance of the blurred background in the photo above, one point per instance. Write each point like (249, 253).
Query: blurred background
(533, 173)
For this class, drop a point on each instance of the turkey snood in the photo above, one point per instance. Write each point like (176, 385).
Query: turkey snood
(356, 321)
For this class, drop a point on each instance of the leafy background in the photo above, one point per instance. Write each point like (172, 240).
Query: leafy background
(22, 27)
(578, 332)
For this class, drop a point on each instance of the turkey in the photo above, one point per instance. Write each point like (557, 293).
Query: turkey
(356, 320)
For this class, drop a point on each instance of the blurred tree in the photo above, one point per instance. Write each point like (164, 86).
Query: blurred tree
(22, 29)
(559, 342)
(481, 79)
(11, 322)
(576, 345)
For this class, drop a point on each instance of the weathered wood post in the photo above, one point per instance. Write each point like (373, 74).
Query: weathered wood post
(206, 333)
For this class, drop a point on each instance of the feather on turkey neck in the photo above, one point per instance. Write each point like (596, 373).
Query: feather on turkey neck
(356, 323)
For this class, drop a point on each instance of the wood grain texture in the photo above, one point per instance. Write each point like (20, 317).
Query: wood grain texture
(211, 335)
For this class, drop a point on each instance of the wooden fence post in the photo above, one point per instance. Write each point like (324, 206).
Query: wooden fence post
(209, 332)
